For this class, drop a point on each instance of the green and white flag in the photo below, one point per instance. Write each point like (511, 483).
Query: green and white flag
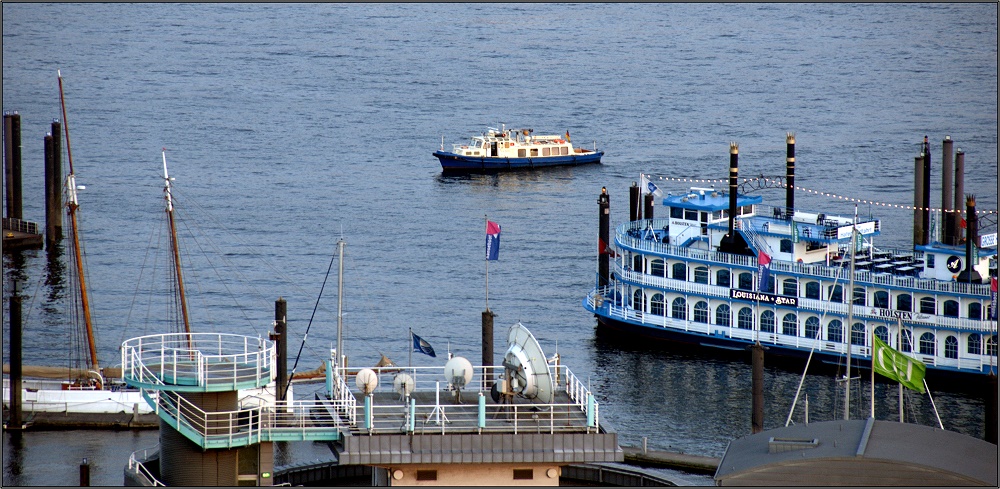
(896, 366)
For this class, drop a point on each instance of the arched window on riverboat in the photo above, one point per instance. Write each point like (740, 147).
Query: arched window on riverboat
(657, 305)
(927, 305)
(991, 345)
(835, 331)
(638, 262)
(812, 328)
(858, 334)
(722, 316)
(812, 290)
(881, 299)
(904, 302)
(975, 310)
(638, 301)
(701, 312)
(680, 271)
(656, 268)
(678, 309)
(790, 325)
(746, 281)
(882, 333)
(836, 293)
(907, 345)
(859, 296)
(745, 320)
(790, 287)
(951, 347)
(767, 322)
(722, 278)
(975, 344)
(701, 275)
(927, 344)
(951, 308)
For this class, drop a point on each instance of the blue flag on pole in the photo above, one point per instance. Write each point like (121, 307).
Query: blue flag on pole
(492, 240)
(422, 346)
(764, 271)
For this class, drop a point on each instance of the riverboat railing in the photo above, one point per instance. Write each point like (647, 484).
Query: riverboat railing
(640, 245)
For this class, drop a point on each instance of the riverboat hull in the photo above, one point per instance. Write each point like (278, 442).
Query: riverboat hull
(451, 162)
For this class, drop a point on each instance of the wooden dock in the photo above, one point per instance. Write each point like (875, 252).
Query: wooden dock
(79, 421)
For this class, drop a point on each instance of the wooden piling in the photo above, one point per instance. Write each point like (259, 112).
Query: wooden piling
(280, 338)
(757, 388)
(15, 422)
(488, 361)
(84, 473)
(53, 185)
(12, 163)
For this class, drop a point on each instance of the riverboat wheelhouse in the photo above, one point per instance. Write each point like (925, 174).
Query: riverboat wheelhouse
(695, 278)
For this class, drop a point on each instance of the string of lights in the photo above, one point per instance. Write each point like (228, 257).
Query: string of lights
(779, 183)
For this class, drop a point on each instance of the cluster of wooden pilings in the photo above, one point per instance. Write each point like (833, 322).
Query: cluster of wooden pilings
(19, 234)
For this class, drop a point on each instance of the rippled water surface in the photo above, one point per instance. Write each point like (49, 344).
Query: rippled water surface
(289, 126)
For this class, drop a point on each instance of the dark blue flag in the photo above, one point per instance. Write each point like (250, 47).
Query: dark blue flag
(421, 346)
(492, 240)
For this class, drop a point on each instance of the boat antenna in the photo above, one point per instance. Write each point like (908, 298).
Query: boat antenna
(302, 345)
(175, 247)
(72, 205)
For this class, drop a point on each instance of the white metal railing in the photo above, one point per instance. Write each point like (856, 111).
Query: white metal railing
(136, 465)
(198, 359)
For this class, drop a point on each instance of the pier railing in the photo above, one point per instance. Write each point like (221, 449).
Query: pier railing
(137, 466)
(14, 224)
(198, 362)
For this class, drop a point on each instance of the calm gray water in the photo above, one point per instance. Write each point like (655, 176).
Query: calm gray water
(289, 126)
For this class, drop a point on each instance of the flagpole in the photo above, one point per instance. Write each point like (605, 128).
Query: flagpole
(409, 347)
(486, 223)
(872, 352)
(899, 344)
(850, 318)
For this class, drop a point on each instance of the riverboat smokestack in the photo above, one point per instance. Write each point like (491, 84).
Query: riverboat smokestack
(734, 162)
(790, 175)
(959, 194)
(648, 201)
(948, 209)
(926, 219)
(918, 200)
(634, 209)
(603, 254)
(970, 275)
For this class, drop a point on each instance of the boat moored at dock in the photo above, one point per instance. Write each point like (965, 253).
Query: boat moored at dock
(724, 270)
(505, 149)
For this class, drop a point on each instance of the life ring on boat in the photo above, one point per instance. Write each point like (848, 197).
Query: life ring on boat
(559, 141)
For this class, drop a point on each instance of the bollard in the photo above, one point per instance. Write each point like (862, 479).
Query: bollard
(84, 473)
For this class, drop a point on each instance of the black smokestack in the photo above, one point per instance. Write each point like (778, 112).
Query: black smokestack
(790, 175)
(734, 163)
(604, 230)
(947, 199)
(634, 197)
(970, 275)
(918, 200)
(926, 217)
(959, 194)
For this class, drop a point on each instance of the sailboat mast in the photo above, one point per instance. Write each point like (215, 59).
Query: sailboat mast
(71, 205)
(175, 248)
(340, 305)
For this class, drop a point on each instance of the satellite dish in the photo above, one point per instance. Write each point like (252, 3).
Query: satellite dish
(458, 372)
(366, 380)
(403, 384)
(525, 366)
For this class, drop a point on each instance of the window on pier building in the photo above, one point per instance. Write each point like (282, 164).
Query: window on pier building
(701, 312)
(904, 302)
(858, 334)
(678, 309)
(745, 320)
(882, 333)
(790, 325)
(722, 278)
(812, 290)
(656, 268)
(975, 344)
(975, 310)
(835, 331)
(767, 322)
(722, 316)
(907, 345)
(679, 271)
(745, 281)
(638, 300)
(927, 344)
(812, 328)
(991, 346)
(701, 275)
(881, 299)
(927, 305)
(859, 296)
(785, 246)
(657, 305)
(836, 293)
(951, 308)
(951, 347)
(790, 287)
